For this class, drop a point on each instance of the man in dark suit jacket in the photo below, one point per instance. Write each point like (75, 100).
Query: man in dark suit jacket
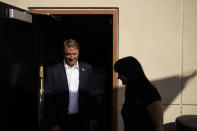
(70, 102)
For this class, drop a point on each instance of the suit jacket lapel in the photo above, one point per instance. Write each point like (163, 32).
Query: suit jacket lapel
(81, 74)
(63, 76)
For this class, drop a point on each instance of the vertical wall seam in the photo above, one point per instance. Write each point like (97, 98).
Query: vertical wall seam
(17, 4)
(182, 55)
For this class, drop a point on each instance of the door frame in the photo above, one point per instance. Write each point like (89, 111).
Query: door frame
(85, 11)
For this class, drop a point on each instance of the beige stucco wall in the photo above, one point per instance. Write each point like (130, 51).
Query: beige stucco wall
(189, 97)
(11, 2)
(162, 35)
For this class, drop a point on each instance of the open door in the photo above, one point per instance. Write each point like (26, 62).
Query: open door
(27, 42)
(18, 70)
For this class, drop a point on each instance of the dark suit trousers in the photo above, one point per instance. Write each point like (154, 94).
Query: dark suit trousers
(74, 122)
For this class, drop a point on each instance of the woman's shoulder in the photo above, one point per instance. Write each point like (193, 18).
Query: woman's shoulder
(151, 94)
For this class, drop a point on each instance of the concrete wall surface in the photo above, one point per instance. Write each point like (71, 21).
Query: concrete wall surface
(11, 2)
(161, 34)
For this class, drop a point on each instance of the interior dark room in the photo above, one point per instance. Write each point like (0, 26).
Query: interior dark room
(25, 46)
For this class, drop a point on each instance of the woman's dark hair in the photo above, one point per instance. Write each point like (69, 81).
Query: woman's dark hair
(130, 66)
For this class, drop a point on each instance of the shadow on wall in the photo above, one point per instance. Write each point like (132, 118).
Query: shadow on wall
(169, 88)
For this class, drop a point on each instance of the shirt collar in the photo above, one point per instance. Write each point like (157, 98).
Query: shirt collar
(69, 67)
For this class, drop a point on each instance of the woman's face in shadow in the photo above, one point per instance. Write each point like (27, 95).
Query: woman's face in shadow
(123, 78)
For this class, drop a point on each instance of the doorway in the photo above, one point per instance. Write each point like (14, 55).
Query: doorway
(96, 32)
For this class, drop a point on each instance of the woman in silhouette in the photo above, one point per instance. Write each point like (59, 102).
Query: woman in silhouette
(142, 108)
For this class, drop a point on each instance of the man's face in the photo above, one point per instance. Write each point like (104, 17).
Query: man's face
(71, 55)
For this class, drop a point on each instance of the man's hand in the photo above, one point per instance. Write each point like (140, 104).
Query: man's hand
(93, 124)
(55, 128)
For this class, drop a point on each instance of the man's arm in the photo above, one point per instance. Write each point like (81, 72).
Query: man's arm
(93, 100)
(93, 95)
(55, 128)
(49, 104)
